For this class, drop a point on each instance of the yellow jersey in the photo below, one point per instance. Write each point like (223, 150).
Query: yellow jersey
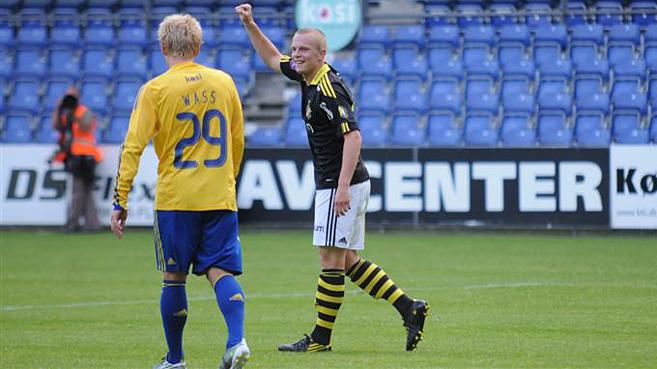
(193, 115)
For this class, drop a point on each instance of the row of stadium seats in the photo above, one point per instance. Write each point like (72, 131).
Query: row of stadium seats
(479, 130)
(403, 129)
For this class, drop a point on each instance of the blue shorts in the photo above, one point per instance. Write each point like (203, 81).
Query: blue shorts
(203, 239)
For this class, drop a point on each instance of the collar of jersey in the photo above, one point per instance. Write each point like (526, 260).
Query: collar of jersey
(182, 65)
(320, 74)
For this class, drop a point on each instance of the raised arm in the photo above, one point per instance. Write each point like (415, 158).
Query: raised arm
(265, 48)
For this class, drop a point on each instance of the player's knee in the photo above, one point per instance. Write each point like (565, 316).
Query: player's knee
(174, 276)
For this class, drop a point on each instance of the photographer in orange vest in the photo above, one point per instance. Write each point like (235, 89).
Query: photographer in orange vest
(77, 150)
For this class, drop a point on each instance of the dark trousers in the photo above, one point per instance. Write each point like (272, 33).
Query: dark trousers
(82, 201)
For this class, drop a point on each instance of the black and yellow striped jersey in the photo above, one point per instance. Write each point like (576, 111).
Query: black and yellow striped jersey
(327, 107)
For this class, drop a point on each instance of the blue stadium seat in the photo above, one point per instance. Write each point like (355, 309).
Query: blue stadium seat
(439, 55)
(401, 54)
(93, 93)
(582, 54)
(25, 95)
(374, 34)
(514, 86)
(469, 15)
(130, 61)
(97, 62)
(6, 63)
(627, 129)
(99, 29)
(547, 54)
(503, 14)
(551, 87)
(593, 101)
(125, 93)
(479, 35)
(234, 61)
(234, 36)
(373, 95)
(132, 30)
(556, 102)
(515, 122)
(519, 103)
(207, 57)
(156, 62)
(117, 128)
(511, 53)
(480, 130)
(416, 67)
(489, 68)
(643, 12)
(551, 34)
(630, 69)
(630, 102)
(55, 87)
(451, 69)
(524, 68)
(609, 13)
(65, 30)
(406, 130)
(588, 33)
(345, 65)
(410, 95)
(295, 133)
(6, 28)
(379, 68)
(538, 15)
(476, 54)
(488, 102)
(517, 34)
(556, 69)
(576, 13)
(444, 96)
(636, 136)
(266, 136)
(652, 88)
(553, 130)
(598, 68)
(445, 35)
(414, 35)
(294, 106)
(275, 34)
(45, 133)
(17, 129)
(372, 128)
(32, 30)
(591, 131)
(443, 131)
(519, 138)
(65, 62)
(30, 62)
(474, 87)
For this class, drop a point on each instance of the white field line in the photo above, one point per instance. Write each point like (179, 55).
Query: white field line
(309, 294)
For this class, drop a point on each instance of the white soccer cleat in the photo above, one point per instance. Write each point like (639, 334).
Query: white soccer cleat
(236, 356)
(167, 365)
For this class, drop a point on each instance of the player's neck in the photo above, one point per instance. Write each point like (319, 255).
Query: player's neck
(173, 60)
(311, 74)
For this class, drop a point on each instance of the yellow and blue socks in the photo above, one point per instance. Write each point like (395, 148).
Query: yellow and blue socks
(230, 299)
(329, 297)
(173, 307)
(373, 280)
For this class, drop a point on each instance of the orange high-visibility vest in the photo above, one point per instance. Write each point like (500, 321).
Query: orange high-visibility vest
(83, 142)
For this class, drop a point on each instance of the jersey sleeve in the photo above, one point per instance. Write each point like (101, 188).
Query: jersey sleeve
(142, 127)
(237, 131)
(339, 107)
(287, 68)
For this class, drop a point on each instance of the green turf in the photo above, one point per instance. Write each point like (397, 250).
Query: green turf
(504, 301)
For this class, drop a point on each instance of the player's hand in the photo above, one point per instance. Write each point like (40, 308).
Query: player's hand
(245, 13)
(342, 201)
(117, 222)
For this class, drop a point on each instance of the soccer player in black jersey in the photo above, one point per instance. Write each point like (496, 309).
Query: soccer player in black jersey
(342, 186)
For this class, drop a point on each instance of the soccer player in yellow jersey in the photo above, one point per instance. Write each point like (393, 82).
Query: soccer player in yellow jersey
(193, 116)
(342, 186)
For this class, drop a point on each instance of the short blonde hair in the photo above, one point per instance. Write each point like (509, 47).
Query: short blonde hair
(180, 35)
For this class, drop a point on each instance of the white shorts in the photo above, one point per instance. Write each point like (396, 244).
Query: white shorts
(347, 231)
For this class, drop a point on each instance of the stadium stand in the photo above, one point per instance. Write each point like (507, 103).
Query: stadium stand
(445, 74)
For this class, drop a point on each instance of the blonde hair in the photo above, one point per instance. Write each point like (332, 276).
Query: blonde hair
(180, 36)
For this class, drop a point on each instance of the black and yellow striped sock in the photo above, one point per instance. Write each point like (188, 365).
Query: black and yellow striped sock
(329, 296)
(374, 280)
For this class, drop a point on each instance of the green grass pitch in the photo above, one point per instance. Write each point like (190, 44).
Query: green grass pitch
(498, 301)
